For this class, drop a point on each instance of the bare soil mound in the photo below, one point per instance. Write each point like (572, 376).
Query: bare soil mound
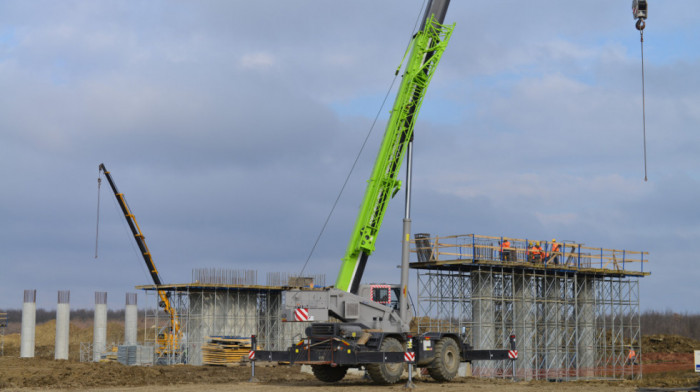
(669, 344)
(46, 373)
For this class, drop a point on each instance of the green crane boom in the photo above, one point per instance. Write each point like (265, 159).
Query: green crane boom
(427, 47)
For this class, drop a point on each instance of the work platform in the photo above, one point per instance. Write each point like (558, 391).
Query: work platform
(468, 251)
(575, 313)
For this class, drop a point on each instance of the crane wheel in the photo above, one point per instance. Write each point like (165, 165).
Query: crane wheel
(328, 373)
(446, 363)
(387, 373)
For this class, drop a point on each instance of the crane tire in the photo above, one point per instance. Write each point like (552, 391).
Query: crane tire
(447, 359)
(387, 373)
(328, 373)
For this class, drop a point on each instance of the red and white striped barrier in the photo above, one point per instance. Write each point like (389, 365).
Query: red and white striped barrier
(251, 355)
(513, 354)
(409, 356)
(301, 314)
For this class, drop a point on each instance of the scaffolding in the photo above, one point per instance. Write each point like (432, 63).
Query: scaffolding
(223, 303)
(577, 318)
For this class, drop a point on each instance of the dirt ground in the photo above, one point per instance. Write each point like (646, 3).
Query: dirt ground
(667, 362)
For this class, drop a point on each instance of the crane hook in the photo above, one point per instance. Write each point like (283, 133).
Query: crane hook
(641, 24)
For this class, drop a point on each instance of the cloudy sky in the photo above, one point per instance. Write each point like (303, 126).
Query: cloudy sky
(231, 125)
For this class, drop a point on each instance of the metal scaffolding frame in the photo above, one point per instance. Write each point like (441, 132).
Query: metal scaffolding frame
(217, 311)
(223, 303)
(568, 325)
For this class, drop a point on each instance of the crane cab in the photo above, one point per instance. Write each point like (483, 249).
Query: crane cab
(385, 294)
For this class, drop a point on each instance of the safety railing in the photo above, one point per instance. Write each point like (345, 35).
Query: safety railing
(480, 248)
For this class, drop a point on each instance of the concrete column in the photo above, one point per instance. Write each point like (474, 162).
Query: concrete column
(130, 320)
(62, 325)
(553, 327)
(585, 326)
(483, 313)
(99, 341)
(525, 317)
(28, 325)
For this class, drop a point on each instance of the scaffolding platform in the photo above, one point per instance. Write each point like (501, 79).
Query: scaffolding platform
(468, 251)
(576, 318)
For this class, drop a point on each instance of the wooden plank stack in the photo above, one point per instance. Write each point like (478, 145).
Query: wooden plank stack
(225, 350)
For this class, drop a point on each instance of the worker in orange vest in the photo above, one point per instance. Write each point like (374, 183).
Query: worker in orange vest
(554, 254)
(534, 253)
(505, 250)
(632, 357)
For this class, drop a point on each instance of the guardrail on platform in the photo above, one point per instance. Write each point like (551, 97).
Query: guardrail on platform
(473, 248)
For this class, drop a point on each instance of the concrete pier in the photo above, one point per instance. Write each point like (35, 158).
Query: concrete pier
(99, 343)
(130, 320)
(484, 328)
(586, 326)
(524, 324)
(62, 325)
(28, 325)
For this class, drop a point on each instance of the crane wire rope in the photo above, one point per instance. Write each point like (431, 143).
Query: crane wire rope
(97, 227)
(362, 147)
(126, 229)
(640, 26)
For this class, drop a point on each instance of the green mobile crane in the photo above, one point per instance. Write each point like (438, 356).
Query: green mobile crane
(168, 340)
(355, 325)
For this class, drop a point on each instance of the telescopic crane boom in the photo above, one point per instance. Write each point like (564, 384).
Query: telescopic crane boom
(170, 341)
(427, 47)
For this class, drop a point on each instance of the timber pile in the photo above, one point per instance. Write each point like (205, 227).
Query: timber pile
(225, 350)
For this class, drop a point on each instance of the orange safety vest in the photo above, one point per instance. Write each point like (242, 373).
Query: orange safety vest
(505, 245)
(632, 354)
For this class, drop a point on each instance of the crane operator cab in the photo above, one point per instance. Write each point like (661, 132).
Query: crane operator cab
(385, 294)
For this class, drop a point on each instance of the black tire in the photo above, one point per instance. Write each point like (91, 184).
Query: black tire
(447, 359)
(328, 373)
(387, 373)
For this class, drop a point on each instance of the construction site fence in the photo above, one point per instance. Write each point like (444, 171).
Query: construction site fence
(472, 247)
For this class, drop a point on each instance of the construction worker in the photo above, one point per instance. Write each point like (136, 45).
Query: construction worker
(632, 357)
(553, 255)
(505, 250)
(534, 253)
(539, 253)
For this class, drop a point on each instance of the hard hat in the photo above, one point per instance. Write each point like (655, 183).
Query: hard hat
(554, 240)
(530, 243)
(537, 243)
